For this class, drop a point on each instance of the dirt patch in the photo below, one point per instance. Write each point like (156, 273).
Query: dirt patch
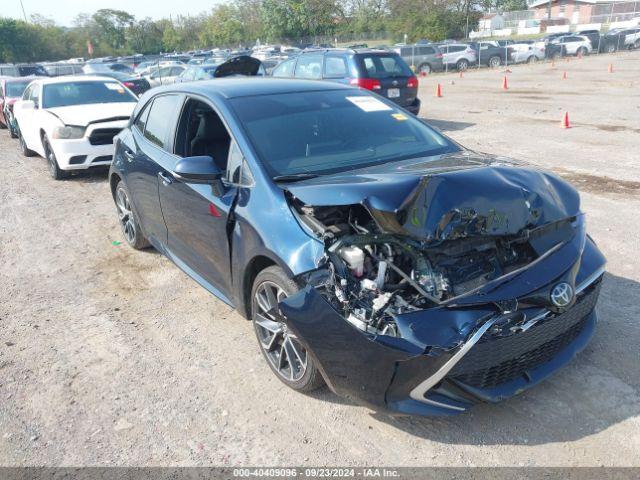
(599, 185)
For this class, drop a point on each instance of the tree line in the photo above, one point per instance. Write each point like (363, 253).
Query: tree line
(241, 23)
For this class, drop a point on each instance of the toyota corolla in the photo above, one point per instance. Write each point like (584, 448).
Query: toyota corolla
(371, 252)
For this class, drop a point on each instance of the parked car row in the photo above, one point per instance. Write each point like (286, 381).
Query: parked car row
(425, 58)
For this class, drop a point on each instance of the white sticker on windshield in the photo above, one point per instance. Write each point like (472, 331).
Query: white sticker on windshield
(369, 104)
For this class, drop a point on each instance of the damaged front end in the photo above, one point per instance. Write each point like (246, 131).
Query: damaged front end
(428, 302)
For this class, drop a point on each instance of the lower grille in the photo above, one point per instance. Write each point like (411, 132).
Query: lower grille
(103, 136)
(103, 158)
(494, 362)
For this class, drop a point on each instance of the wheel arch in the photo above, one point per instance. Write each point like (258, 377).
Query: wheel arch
(251, 271)
(114, 179)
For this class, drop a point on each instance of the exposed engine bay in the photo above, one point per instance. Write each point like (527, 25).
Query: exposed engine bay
(371, 276)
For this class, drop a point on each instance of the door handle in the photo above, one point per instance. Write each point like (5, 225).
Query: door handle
(165, 178)
(128, 154)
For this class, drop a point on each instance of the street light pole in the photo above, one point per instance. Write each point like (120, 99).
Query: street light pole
(24, 14)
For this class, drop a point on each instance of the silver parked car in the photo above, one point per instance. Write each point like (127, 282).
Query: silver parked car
(421, 58)
(458, 55)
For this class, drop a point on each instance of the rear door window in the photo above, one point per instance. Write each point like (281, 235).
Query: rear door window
(162, 116)
(309, 66)
(335, 67)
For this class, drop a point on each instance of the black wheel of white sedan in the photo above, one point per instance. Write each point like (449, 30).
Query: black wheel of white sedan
(127, 218)
(284, 353)
(54, 169)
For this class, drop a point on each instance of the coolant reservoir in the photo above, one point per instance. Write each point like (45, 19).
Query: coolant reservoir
(354, 257)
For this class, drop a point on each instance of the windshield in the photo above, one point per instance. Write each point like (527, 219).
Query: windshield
(16, 89)
(84, 93)
(333, 131)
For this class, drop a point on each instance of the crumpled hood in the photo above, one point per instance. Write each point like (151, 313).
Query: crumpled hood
(445, 204)
(82, 115)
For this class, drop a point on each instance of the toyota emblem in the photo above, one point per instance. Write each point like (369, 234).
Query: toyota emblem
(562, 295)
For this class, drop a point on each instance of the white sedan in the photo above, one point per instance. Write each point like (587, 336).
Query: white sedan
(71, 121)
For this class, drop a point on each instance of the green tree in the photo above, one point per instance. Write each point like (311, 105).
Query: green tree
(111, 26)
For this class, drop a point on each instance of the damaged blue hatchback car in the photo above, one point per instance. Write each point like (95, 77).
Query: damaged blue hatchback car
(371, 252)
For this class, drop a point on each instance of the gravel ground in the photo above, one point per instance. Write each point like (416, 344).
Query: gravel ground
(110, 356)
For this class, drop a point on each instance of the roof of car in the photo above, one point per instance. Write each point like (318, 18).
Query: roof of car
(251, 86)
(345, 50)
(71, 78)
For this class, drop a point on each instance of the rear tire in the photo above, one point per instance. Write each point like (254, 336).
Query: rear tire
(582, 52)
(129, 223)
(494, 62)
(23, 146)
(54, 168)
(424, 68)
(610, 48)
(532, 59)
(462, 64)
(284, 354)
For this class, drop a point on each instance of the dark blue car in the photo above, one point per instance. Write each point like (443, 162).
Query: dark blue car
(370, 251)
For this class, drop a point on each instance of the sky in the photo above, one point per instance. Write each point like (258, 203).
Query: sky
(64, 11)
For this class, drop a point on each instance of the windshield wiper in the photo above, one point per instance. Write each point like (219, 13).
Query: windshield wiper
(294, 177)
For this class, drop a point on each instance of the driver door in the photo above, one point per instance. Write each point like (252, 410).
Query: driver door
(29, 125)
(197, 216)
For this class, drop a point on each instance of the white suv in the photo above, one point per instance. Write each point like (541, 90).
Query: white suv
(71, 121)
(574, 44)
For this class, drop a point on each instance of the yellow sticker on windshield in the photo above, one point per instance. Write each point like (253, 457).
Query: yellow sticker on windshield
(399, 116)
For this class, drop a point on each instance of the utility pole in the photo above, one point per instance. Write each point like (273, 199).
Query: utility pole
(24, 14)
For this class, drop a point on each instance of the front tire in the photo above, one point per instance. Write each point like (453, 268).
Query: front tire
(284, 354)
(610, 48)
(582, 52)
(532, 59)
(54, 168)
(129, 223)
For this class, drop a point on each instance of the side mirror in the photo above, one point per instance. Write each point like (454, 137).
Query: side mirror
(197, 170)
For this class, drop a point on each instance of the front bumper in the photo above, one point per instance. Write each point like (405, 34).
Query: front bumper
(448, 359)
(92, 150)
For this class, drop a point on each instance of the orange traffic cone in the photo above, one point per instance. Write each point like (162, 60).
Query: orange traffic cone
(564, 76)
(505, 83)
(461, 75)
(611, 68)
(565, 121)
(439, 91)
